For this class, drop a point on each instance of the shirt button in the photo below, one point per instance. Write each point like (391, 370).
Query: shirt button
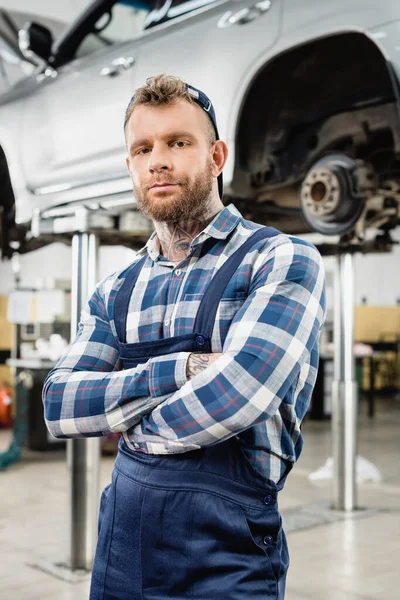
(268, 499)
(178, 272)
(166, 322)
(200, 340)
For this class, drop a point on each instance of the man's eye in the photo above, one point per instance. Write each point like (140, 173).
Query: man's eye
(180, 144)
(143, 151)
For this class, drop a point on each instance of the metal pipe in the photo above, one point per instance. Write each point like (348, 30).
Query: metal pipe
(83, 455)
(344, 389)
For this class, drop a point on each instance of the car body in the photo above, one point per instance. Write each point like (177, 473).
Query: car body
(292, 81)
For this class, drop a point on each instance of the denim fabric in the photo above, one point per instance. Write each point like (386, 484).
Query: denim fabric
(202, 525)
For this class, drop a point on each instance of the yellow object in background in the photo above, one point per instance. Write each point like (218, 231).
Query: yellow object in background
(6, 375)
(6, 328)
(377, 323)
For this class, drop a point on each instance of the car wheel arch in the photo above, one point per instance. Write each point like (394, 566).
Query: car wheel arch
(292, 83)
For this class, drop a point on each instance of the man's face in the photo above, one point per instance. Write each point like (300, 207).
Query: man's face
(170, 160)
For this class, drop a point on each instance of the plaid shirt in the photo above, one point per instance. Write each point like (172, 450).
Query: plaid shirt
(259, 389)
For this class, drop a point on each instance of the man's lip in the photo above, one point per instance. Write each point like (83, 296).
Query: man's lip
(156, 185)
(162, 184)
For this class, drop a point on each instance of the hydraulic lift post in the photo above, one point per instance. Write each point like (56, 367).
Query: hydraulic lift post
(83, 455)
(344, 388)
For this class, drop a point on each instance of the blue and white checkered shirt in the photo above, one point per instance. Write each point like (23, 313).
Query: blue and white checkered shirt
(259, 388)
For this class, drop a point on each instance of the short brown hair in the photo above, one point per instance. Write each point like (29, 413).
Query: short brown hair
(162, 90)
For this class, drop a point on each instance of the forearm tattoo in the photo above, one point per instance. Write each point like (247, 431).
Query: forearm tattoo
(197, 363)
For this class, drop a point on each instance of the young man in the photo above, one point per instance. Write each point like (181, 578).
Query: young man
(203, 354)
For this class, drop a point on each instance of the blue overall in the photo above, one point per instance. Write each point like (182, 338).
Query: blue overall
(202, 525)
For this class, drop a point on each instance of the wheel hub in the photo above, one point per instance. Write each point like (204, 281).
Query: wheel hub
(321, 192)
(333, 192)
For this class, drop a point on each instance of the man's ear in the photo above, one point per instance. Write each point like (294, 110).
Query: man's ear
(220, 156)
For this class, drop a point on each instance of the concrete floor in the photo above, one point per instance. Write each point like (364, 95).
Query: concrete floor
(354, 558)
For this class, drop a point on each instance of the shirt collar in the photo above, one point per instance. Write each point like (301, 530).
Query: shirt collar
(222, 224)
(220, 227)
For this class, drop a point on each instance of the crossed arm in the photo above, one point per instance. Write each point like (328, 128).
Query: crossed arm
(195, 399)
(87, 394)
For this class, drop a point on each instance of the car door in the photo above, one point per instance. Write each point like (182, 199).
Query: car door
(213, 44)
(73, 121)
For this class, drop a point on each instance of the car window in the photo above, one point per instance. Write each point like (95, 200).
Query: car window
(165, 10)
(124, 20)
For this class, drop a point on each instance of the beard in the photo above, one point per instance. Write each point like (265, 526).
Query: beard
(191, 201)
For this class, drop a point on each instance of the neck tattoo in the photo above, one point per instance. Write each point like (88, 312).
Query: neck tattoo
(175, 238)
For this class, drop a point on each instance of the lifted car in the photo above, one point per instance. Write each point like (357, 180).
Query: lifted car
(306, 95)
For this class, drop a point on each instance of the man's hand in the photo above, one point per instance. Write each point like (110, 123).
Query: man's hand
(198, 362)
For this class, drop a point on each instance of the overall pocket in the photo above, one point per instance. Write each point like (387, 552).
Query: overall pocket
(224, 554)
(198, 545)
(265, 530)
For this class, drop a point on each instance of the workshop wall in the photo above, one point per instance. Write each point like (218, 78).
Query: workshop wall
(54, 261)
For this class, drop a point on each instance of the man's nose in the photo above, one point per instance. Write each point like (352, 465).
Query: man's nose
(159, 159)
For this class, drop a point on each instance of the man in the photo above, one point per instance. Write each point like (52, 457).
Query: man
(216, 326)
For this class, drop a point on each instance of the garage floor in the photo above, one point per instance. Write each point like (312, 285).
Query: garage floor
(352, 558)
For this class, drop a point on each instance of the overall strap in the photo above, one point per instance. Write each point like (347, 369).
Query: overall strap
(121, 304)
(207, 311)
